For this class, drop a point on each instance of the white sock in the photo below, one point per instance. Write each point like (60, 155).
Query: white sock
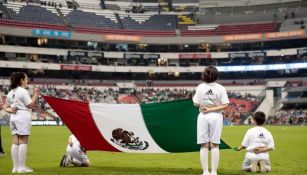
(215, 157)
(204, 159)
(22, 153)
(14, 154)
(76, 162)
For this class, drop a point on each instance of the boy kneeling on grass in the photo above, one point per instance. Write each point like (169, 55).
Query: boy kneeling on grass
(76, 154)
(257, 141)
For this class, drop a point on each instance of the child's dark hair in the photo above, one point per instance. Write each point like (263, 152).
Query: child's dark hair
(16, 78)
(210, 74)
(259, 118)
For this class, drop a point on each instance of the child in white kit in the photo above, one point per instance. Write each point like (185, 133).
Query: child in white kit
(76, 154)
(257, 141)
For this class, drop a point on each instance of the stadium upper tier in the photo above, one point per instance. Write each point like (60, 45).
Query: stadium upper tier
(105, 21)
(291, 16)
(32, 13)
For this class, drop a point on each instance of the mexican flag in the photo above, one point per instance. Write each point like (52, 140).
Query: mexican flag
(166, 127)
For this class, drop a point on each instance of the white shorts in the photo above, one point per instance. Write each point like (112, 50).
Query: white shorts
(20, 125)
(78, 154)
(209, 127)
(247, 164)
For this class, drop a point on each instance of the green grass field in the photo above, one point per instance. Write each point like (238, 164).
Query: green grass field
(48, 144)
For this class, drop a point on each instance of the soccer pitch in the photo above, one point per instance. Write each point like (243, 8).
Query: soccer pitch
(47, 146)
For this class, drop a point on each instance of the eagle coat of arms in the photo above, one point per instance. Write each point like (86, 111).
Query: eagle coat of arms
(127, 140)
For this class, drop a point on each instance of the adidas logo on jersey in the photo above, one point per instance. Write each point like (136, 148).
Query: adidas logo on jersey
(209, 92)
(261, 135)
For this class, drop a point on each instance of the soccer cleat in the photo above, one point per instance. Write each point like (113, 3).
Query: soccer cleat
(254, 166)
(67, 160)
(62, 163)
(206, 173)
(213, 173)
(14, 170)
(262, 166)
(25, 170)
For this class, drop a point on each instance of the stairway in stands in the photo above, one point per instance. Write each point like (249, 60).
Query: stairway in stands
(120, 23)
(102, 4)
(68, 24)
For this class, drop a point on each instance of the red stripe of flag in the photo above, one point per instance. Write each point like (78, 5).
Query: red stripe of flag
(77, 116)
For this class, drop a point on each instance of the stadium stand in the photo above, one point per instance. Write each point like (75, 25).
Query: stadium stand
(58, 3)
(152, 24)
(255, 11)
(289, 117)
(233, 29)
(99, 19)
(118, 5)
(89, 4)
(242, 105)
(111, 6)
(33, 13)
(293, 24)
(149, 21)
(22, 15)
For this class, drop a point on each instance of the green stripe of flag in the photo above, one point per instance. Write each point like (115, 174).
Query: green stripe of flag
(173, 125)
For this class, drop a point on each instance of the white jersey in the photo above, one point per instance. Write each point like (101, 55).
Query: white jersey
(19, 98)
(75, 150)
(20, 122)
(258, 137)
(209, 125)
(210, 95)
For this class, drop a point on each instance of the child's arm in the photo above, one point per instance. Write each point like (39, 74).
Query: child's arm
(239, 148)
(216, 108)
(34, 98)
(245, 143)
(9, 109)
(262, 149)
(70, 141)
(196, 98)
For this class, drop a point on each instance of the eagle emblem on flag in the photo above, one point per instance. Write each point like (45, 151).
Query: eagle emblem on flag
(127, 140)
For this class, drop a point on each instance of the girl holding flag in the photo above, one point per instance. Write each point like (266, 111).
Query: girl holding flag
(19, 104)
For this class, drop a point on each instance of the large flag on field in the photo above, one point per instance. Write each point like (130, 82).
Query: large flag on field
(138, 128)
